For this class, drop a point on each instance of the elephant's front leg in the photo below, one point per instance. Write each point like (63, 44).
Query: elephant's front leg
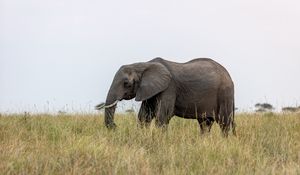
(146, 114)
(205, 124)
(165, 109)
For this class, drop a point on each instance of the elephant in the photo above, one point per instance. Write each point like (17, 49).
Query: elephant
(199, 89)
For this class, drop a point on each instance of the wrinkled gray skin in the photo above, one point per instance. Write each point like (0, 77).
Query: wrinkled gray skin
(199, 89)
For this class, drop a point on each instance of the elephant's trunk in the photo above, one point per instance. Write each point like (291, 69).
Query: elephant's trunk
(110, 107)
(109, 117)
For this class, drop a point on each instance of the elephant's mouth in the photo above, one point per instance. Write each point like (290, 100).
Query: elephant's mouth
(129, 97)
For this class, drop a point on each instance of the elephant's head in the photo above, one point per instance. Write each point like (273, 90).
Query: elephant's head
(140, 81)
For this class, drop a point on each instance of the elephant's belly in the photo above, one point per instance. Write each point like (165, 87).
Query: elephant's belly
(192, 113)
(193, 110)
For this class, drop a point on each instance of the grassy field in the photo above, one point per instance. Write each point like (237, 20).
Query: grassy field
(80, 144)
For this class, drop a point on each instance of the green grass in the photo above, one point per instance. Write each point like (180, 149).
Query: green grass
(80, 144)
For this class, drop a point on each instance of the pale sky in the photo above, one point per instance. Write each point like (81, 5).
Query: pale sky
(63, 54)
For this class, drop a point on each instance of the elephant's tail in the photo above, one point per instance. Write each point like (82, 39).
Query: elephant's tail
(233, 125)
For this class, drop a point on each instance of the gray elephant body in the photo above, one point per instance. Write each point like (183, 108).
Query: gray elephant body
(200, 89)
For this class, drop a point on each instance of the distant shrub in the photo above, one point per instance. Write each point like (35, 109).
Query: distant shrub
(60, 112)
(263, 107)
(290, 109)
(130, 111)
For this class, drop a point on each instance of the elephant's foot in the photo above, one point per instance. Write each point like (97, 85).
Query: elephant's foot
(225, 129)
(143, 125)
(111, 126)
(205, 126)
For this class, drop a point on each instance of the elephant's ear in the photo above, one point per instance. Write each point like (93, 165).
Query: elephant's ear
(155, 78)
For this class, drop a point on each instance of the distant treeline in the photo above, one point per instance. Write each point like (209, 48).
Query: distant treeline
(266, 107)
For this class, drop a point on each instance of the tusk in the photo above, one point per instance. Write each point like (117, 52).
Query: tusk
(111, 105)
(102, 105)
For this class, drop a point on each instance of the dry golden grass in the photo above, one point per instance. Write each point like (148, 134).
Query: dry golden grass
(80, 144)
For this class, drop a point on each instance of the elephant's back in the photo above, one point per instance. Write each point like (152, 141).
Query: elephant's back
(197, 65)
(204, 71)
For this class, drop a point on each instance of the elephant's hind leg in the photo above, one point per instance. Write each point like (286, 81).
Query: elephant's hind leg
(225, 112)
(226, 118)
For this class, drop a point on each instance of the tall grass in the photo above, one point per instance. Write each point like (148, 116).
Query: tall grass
(80, 144)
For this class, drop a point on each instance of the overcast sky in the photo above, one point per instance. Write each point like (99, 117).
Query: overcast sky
(63, 54)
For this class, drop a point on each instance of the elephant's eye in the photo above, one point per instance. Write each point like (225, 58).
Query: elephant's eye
(127, 84)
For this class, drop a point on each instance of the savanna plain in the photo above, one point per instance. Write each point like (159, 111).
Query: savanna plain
(266, 143)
